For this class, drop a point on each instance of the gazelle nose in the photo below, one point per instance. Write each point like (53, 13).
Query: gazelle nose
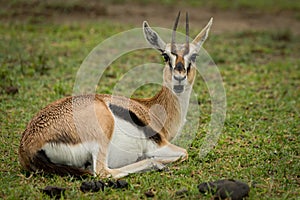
(179, 67)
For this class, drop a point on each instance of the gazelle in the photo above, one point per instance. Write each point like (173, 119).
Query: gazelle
(107, 135)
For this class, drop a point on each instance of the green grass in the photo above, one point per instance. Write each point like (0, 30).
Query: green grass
(260, 139)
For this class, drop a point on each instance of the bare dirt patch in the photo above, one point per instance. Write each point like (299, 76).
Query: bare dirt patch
(158, 15)
(223, 20)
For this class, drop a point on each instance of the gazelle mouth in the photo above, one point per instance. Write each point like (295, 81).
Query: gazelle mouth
(178, 88)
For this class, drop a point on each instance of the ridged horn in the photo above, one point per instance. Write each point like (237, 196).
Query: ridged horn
(173, 47)
(187, 34)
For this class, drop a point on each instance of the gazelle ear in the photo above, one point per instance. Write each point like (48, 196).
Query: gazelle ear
(153, 38)
(202, 36)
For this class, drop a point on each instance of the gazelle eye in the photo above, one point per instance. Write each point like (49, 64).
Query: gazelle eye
(193, 57)
(166, 57)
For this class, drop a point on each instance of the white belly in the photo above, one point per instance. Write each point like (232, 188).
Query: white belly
(73, 155)
(128, 144)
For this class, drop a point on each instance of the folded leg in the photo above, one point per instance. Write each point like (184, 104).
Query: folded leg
(154, 160)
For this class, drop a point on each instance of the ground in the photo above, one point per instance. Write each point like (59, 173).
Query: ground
(226, 20)
(255, 45)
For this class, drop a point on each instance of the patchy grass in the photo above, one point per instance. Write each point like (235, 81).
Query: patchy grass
(260, 140)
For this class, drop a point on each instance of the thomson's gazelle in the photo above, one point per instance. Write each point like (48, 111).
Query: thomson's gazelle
(111, 135)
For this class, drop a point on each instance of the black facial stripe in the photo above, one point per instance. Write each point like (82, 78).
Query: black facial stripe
(170, 65)
(174, 54)
(189, 67)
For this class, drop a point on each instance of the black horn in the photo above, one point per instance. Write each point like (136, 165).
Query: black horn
(173, 48)
(187, 34)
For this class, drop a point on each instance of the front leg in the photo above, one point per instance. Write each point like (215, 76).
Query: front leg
(168, 153)
(140, 166)
(155, 160)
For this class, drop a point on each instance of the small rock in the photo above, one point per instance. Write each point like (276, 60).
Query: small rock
(149, 193)
(11, 90)
(206, 187)
(122, 184)
(222, 189)
(119, 184)
(111, 184)
(93, 186)
(54, 192)
(181, 192)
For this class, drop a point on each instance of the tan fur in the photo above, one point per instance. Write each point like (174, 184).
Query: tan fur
(57, 118)
(169, 102)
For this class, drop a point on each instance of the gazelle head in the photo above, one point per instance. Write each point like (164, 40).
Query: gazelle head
(180, 69)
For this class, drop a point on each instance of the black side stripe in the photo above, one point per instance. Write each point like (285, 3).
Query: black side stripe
(130, 117)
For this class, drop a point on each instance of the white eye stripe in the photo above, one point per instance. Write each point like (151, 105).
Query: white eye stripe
(172, 59)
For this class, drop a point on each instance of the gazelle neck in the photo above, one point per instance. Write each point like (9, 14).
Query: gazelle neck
(184, 100)
(175, 108)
